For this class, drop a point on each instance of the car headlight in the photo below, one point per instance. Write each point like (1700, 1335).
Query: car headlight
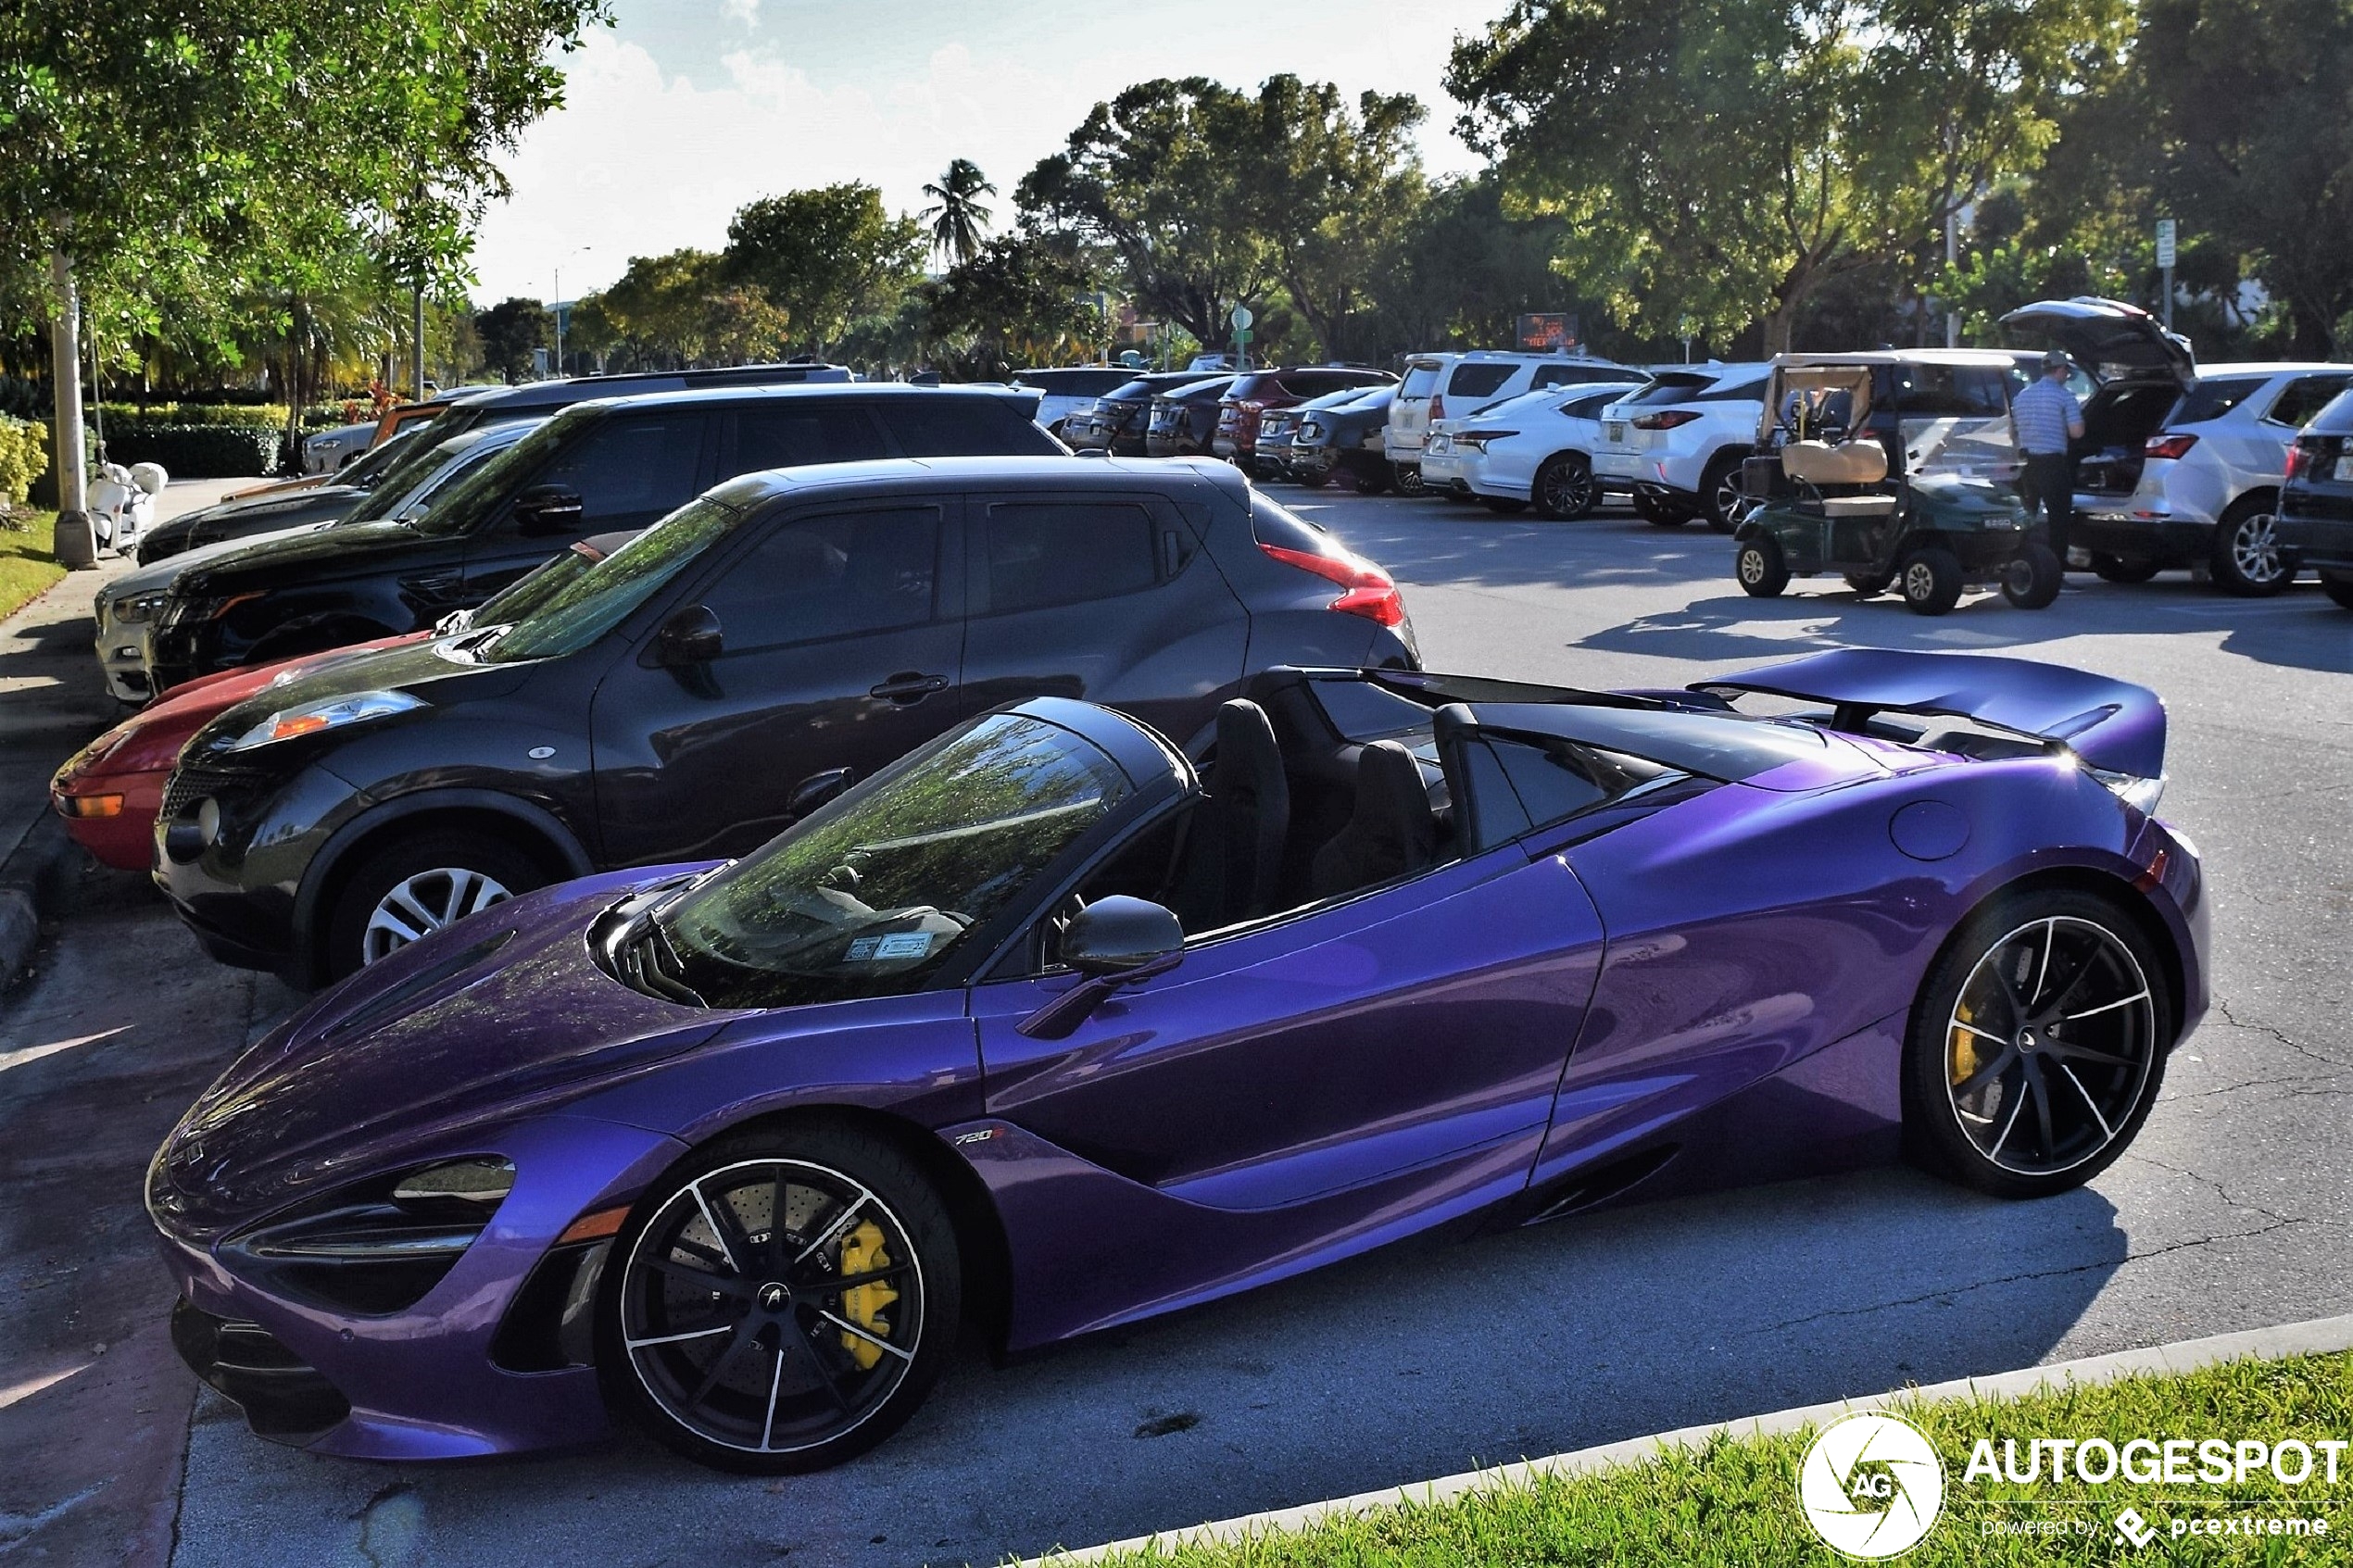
(135, 608)
(379, 1246)
(328, 713)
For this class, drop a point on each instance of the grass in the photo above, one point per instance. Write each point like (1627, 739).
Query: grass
(27, 567)
(1734, 1502)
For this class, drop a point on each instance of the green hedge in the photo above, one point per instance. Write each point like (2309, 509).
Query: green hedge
(24, 456)
(196, 451)
(240, 416)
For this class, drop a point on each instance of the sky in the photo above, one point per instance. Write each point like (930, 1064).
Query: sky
(687, 109)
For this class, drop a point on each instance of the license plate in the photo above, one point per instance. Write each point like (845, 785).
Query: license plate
(2344, 471)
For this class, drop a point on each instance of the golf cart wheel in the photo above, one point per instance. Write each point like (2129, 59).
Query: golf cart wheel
(2036, 1045)
(2248, 558)
(1869, 584)
(2031, 579)
(413, 887)
(1409, 479)
(1504, 505)
(1722, 500)
(2116, 569)
(2338, 589)
(780, 1302)
(1564, 490)
(1658, 513)
(1758, 563)
(1931, 581)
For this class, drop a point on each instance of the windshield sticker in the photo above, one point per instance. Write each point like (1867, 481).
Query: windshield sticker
(904, 945)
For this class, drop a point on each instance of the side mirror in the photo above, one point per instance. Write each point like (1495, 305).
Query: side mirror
(815, 790)
(1113, 942)
(549, 508)
(690, 636)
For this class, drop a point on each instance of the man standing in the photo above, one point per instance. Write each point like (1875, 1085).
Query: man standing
(2045, 419)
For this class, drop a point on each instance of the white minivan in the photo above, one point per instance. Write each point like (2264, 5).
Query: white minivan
(1440, 386)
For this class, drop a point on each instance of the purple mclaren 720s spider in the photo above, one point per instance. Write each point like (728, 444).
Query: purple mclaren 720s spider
(1044, 1026)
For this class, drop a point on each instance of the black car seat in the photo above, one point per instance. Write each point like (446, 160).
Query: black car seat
(1392, 832)
(1250, 802)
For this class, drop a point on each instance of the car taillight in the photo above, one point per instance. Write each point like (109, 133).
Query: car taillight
(1667, 419)
(1480, 438)
(1369, 591)
(2309, 455)
(2169, 447)
(1437, 406)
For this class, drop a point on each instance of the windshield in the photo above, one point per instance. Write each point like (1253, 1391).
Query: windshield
(534, 589)
(871, 893)
(408, 487)
(1420, 379)
(592, 604)
(381, 459)
(470, 501)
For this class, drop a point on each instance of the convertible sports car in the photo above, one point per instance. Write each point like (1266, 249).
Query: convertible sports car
(1041, 1026)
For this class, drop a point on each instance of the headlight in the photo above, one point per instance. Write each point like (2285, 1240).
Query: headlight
(379, 1246)
(134, 608)
(330, 713)
(2134, 791)
(1311, 430)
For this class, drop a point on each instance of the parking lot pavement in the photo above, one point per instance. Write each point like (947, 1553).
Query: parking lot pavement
(2232, 1212)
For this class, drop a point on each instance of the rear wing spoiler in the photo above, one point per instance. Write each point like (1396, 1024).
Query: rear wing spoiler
(2112, 725)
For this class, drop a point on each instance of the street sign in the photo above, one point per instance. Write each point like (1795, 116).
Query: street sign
(2165, 230)
(1241, 318)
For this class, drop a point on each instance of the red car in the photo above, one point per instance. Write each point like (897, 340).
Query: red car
(1260, 392)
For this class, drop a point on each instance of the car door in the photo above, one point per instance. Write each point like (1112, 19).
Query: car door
(840, 632)
(1420, 1026)
(1105, 596)
(627, 469)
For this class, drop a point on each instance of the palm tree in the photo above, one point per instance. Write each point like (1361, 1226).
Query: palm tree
(958, 217)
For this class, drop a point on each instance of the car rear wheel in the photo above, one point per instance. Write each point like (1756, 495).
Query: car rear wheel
(411, 889)
(1409, 479)
(1564, 490)
(1658, 513)
(2116, 569)
(2338, 589)
(2036, 1046)
(783, 1301)
(2248, 558)
(1931, 580)
(1721, 494)
(2034, 576)
(1761, 567)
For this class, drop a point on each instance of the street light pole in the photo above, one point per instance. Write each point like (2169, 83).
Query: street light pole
(555, 306)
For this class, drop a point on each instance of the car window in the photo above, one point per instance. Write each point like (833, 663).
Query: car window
(1518, 785)
(834, 576)
(787, 433)
(966, 426)
(1419, 381)
(1478, 378)
(1733, 391)
(1590, 408)
(2212, 399)
(1950, 392)
(636, 465)
(2304, 396)
(1044, 553)
(601, 598)
(1671, 389)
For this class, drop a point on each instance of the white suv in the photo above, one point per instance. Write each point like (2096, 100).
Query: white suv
(1677, 443)
(1438, 386)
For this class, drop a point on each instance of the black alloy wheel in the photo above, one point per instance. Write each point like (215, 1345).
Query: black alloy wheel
(1564, 490)
(1722, 498)
(1408, 480)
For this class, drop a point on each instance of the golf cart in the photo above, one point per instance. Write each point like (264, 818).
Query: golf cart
(1823, 499)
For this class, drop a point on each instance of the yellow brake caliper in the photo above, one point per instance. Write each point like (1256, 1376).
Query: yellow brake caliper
(1964, 1048)
(862, 1252)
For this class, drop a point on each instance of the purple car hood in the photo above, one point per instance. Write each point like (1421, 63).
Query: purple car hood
(2110, 724)
(503, 1014)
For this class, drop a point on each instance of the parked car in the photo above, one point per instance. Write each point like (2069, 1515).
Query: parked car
(1256, 392)
(1068, 390)
(1011, 1035)
(400, 418)
(1434, 384)
(110, 790)
(2181, 464)
(1343, 437)
(1116, 423)
(1278, 429)
(275, 510)
(130, 603)
(1533, 449)
(697, 691)
(1181, 422)
(1677, 443)
(2316, 503)
(324, 451)
(616, 463)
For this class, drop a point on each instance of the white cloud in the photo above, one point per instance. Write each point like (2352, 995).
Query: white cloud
(746, 12)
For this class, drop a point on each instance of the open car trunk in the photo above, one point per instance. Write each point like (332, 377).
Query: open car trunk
(2143, 370)
(2118, 421)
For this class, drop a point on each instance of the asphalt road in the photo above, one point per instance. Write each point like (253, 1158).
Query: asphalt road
(2231, 1212)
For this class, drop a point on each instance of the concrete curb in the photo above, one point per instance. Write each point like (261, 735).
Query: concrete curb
(2320, 1336)
(34, 883)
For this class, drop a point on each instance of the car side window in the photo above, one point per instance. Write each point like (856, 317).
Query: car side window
(837, 575)
(787, 433)
(2211, 400)
(2304, 396)
(1516, 786)
(1478, 379)
(1733, 391)
(1043, 553)
(631, 468)
(946, 427)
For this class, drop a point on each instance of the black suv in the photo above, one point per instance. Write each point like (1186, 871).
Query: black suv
(2316, 504)
(730, 669)
(598, 466)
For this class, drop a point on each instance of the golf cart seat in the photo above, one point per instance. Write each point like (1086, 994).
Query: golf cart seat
(1858, 505)
(1861, 461)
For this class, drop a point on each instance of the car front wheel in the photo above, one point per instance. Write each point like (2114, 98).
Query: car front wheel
(2338, 589)
(412, 888)
(2036, 1046)
(1761, 567)
(781, 1301)
(2248, 558)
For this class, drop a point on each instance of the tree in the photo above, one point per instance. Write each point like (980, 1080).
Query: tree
(1465, 269)
(510, 331)
(1021, 300)
(688, 307)
(1725, 159)
(958, 216)
(825, 257)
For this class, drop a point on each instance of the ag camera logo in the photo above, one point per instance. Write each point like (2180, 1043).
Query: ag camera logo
(1871, 1485)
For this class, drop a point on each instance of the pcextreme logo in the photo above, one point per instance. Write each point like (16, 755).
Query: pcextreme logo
(1871, 1485)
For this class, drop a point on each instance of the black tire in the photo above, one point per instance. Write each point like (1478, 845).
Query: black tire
(355, 934)
(2338, 589)
(1503, 505)
(1761, 567)
(1564, 490)
(2034, 576)
(1722, 499)
(1658, 513)
(852, 1384)
(1982, 1049)
(2116, 569)
(1871, 585)
(1408, 480)
(1931, 581)
(2248, 558)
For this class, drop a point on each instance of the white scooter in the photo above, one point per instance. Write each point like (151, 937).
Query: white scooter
(122, 503)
